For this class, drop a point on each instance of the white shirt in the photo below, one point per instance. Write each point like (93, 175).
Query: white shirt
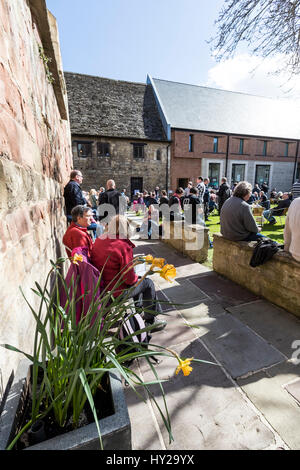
(292, 230)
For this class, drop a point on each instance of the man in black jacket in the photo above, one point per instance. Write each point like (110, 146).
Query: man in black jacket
(112, 201)
(73, 193)
(279, 209)
(193, 208)
(223, 194)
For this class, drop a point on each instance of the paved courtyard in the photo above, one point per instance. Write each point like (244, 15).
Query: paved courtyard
(251, 398)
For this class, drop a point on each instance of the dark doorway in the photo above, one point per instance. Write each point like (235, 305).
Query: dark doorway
(136, 185)
(182, 183)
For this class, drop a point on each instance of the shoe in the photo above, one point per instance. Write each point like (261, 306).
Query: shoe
(156, 325)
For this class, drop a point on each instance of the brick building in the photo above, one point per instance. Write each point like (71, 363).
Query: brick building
(116, 133)
(218, 133)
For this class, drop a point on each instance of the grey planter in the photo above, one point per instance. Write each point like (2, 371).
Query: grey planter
(115, 429)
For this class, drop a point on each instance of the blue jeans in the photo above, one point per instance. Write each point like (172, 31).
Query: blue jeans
(253, 237)
(268, 215)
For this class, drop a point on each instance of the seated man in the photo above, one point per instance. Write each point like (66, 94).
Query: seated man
(278, 210)
(77, 234)
(237, 221)
(292, 230)
(263, 200)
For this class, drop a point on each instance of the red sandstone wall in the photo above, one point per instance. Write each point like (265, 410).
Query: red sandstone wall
(35, 162)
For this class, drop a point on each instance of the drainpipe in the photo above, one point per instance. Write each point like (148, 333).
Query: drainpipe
(167, 170)
(227, 152)
(295, 164)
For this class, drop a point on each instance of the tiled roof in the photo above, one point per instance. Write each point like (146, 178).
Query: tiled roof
(212, 110)
(105, 107)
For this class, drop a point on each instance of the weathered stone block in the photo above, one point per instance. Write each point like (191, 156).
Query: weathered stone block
(277, 280)
(190, 240)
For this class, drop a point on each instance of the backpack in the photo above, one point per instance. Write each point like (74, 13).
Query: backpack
(132, 324)
(263, 251)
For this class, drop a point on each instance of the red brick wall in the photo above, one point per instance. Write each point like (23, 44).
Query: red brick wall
(185, 164)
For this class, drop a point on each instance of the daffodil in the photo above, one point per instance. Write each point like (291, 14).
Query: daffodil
(149, 259)
(77, 258)
(157, 263)
(184, 365)
(168, 271)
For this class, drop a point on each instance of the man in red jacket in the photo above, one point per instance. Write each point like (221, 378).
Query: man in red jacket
(77, 234)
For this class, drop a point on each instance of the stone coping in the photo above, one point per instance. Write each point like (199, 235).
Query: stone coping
(277, 280)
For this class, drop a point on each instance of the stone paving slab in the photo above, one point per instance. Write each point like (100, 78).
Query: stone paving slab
(143, 431)
(236, 346)
(223, 291)
(206, 410)
(294, 390)
(267, 391)
(174, 333)
(275, 325)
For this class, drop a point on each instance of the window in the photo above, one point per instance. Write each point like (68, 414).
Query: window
(298, 171)
(84, 149)
(238, 173)
(191, 143)
(158, 154)
(262, 174)
(265, 148)
(241, 149)
(216, 144)
(214, 174)
(138, 150)
(103, 149)
(286, 150)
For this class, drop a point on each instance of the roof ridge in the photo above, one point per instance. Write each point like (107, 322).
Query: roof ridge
(105, 78)
(225, 91)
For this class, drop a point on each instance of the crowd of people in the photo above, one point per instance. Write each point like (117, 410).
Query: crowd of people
(91, 212)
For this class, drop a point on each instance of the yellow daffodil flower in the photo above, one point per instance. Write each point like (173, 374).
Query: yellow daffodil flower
(157, 263)
(184, 365)
(168, 271)
(149, 259)
(77, 258)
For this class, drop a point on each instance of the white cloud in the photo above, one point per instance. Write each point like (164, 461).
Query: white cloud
(250, 74)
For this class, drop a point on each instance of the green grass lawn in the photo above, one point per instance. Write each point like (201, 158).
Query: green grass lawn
(275, 232)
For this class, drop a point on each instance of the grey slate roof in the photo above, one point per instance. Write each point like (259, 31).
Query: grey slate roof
(213, 110)
(105, 107)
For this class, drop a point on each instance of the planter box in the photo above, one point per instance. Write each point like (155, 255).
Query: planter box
(115, 429)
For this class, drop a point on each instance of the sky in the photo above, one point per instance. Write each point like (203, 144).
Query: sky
(167, 39)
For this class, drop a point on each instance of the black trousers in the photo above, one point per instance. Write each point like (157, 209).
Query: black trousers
(145, 297)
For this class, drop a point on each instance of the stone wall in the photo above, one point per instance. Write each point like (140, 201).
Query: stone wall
(278, 280)
(35, 162)
(190, 240)
(121, 164)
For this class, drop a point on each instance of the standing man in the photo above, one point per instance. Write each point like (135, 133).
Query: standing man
(223, 194)
(192, 208)
(206, 198)
(73, 193)
(201, 188)
(113, 200)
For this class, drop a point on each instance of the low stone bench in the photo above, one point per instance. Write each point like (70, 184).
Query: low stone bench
(278, 280)
(190, 240)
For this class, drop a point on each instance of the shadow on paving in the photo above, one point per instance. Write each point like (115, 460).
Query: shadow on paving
(219, 321)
